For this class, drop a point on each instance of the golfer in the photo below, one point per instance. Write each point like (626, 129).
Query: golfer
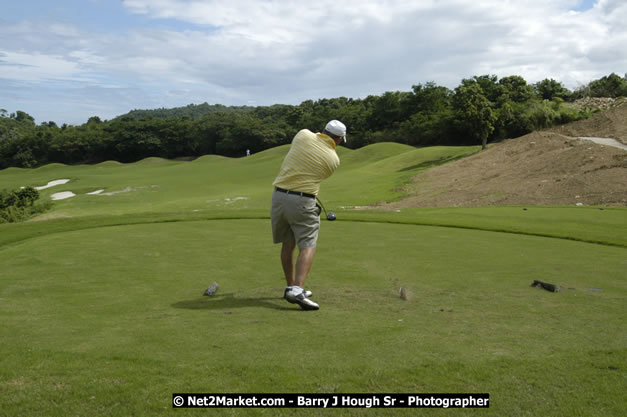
(295, 214)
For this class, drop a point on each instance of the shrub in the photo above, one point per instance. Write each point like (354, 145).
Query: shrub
(19, 205)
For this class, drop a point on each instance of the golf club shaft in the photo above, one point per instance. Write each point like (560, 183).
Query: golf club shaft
(322, 205)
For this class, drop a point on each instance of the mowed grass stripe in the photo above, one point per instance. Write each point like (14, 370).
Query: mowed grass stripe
(589, 224)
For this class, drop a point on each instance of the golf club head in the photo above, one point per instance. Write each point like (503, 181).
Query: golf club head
(331, 216)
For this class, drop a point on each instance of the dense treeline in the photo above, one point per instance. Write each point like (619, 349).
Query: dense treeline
(481, 109)
(194, 111)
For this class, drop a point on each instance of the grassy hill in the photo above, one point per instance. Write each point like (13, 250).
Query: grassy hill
(213, 182)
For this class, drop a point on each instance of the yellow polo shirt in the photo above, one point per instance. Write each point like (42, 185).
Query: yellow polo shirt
(311, 159)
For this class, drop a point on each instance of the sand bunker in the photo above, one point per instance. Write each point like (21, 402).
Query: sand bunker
(62, 195)
(126, 190)
(68, 194)
(52, 184)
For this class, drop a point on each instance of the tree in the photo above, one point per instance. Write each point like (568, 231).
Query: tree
(50, 124)
(474, 112)
(609, 86)
(516, 88)
(387, 110)
(505, 116)
(429, 98)
(489, 84)
(429, 121)
(549, 89)
(21, 116)
(428, 128)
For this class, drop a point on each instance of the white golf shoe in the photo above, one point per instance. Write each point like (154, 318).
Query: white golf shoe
(301, 298)
(307, 293)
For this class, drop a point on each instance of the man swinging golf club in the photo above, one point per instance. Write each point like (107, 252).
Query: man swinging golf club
(295, 214)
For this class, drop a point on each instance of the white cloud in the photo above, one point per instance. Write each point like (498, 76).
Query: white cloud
(36, 67)
(270, 51)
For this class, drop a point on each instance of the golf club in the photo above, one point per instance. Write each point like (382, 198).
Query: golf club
(331, 216)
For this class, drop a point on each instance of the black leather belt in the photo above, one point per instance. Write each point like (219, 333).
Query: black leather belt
(282, 190)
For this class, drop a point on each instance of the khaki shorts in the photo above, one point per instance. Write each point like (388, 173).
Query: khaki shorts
(295, 219)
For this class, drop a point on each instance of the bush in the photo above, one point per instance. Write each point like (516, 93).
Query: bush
(19, 205)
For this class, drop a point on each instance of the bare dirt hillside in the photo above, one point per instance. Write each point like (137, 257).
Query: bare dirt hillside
(611, 123)
(542, 168)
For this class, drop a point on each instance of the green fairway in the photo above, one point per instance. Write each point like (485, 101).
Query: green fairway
(213, 183)
(103, 312)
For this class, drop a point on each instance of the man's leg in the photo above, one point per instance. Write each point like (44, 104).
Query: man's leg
(287, 261)
(303, 264)
(295, 280)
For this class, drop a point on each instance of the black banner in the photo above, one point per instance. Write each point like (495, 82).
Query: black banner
(231, 400)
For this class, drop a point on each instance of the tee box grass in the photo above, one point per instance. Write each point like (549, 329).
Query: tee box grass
(103, 312)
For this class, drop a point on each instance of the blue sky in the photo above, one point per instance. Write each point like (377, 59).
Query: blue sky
(66, 61)
(584, 5)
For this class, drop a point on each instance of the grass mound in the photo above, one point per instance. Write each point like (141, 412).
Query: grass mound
(212, 182)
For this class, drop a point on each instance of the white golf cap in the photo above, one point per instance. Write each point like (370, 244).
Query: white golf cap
(337, 128)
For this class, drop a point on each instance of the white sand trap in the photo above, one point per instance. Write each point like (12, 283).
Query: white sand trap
(52, 184)
(126, 190)
(62, 195)
(95, 192)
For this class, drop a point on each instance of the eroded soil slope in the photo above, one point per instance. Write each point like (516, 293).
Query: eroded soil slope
(541, 168)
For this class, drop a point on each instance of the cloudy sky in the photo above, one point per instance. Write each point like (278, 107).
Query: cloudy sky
(67, 60)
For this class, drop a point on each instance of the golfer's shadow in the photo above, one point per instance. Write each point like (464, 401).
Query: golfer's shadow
(229, 301)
